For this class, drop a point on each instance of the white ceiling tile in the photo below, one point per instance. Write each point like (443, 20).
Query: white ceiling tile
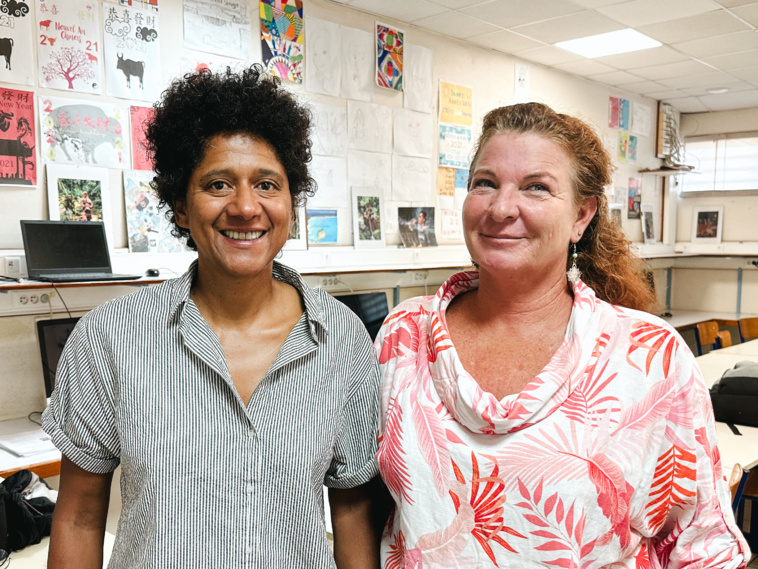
(701, 80)
(727, 101)
(643, 12)
(644, 87)
(458, 4)
(733, 88)
(748, 12)
(398, 9)
(585, 67)
(456, 25)
(616, 78)
(748, 74)
(733, 60)
(688, 105)
(643, 58)
(672, 70)
(511, 13)
(592, 4)
(734, 3)
(667, 94)
(505, 41)
(569, 27)
(716, 23)
(548, 55)
(719, 45)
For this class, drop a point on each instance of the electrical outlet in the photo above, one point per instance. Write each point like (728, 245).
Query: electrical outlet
(330, 282)
(12, 266)
(420, 276)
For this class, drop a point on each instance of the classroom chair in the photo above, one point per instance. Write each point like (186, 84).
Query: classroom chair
(724, 339)
(737, 482)
(748, 328)
(706, 333)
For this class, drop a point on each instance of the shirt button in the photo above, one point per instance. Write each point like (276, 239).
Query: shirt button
(251, 432)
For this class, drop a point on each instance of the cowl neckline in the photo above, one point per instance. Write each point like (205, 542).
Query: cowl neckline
(480, 411)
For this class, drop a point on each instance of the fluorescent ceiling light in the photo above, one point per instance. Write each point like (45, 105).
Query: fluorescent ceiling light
(622, 41)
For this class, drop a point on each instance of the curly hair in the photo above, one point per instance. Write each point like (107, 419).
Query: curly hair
(605, 258)
(201, 105)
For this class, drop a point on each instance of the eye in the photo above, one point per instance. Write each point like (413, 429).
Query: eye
(482, 184)
(538, 188)
(218, 186)
(267, 187)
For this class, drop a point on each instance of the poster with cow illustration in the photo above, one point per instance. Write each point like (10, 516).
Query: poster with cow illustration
(69, 46)
(18, 142)
(131, 54)
(84, 132)
(16, 35)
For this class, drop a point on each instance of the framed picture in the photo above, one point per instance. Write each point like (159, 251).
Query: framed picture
(707, 223)
(416, 226)
(78, 193)
(368, 231)
(321, 226)
(298, 239)
(648, 223)
(615, 211)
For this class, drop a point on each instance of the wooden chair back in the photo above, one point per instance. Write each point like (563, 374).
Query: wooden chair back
(724, 339)
(706, 334)
(748, 328)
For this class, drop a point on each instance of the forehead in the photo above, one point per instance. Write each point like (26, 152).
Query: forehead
(239, 145)
(521, 148)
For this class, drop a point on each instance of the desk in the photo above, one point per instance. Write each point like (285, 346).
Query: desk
(687, 319)
(45, 464)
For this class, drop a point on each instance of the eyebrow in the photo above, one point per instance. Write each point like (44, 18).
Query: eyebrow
(276, 175)
(532, 176)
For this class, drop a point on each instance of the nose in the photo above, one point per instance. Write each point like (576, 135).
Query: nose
(244, 202)
(503, 204)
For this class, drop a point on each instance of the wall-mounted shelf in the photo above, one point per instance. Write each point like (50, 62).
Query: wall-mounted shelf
(665, 171)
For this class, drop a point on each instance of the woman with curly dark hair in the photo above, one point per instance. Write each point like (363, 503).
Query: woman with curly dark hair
(232, 395)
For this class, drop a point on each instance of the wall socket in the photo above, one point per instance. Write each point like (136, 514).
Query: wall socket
(12, 266)
(331, 282)
(28, 299)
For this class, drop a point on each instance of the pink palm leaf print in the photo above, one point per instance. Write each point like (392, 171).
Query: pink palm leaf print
(432, 442)
(670, 486)
(391, 462)
(402, 340)
(654, 339)
(587, 404)
(439, 340)
(396, 555)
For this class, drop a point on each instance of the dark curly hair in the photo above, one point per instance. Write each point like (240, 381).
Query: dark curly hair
(605, 258)
(201, 105)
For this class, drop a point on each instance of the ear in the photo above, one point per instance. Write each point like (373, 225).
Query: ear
(180, 214)
(584, 214)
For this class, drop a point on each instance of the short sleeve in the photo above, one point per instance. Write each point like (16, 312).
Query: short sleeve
(81, 416)
(353, 460)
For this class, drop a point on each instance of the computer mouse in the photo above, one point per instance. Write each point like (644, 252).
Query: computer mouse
(152, 273)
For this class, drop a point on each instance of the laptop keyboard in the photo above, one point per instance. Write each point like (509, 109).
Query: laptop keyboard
(73, 277)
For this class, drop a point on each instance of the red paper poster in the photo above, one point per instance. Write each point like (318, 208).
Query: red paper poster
(18, 142)
(613, 112)
(140, 159)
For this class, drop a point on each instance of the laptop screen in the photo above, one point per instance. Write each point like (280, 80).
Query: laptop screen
(65, 246)
(52, 336)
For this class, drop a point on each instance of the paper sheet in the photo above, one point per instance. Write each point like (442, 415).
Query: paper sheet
(369, 127)
(454, 146)
(418, 77)
(357, 64)
(329, 135)
(323, 72)
(369, 170)
(331, 175)
(217, 26)
(412, 133)
(411, 178)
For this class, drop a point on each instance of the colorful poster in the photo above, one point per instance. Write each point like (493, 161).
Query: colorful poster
(632, 154)
(454, 146)
(76, 193)
(624, 113)
(456, 104)
(635, 198)
(321, 226)
(623, 146)
(217, 26)
(613, 112)
(131, 54)
(450, 181)
(389, 57)
(282, 38)
(147, 229)
(139, 116)
(18, 141)
(83, 132)
(69, 47)
(16, 36)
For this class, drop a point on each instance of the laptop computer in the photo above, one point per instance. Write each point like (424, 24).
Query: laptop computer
(68, 251)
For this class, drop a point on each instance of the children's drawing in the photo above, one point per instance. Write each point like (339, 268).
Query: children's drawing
(329, 135)
(217, 26)
(18, 141)
(369, 127)
(147, 229)
(413, 133)
(357, 64)
(369, 170)
(456, 104)
(417, 75)
(282, 38)
(411, 178)
(195, 61)
(69, 47)
(389, 57)
(367, 218)
(322, 226)
(83, 132)
(330, 174)
(139, 117)
(454, 146)
(452, 224)
(77, 194)
(322, 64)
(16, 36)
(417, 226)
(132, 55)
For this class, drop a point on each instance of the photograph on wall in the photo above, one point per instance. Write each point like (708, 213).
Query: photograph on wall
(707, 223)
(69, 48)
(16, 37)
(456, 104)
(648, 223)
(18, 140)
(321, 226)
(83, 132)
(77, 193)
(368, 230)
(137, 120)
(416, 226)
(147, 229)
(454, 146)
(297, 240)
(634, 198)
(217, 26)
(131, 53)
(282, 38)
(389, 56)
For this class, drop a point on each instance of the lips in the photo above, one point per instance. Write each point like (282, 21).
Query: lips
(242, 235)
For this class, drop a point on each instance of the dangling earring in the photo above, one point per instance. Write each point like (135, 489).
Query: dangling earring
(574, 274)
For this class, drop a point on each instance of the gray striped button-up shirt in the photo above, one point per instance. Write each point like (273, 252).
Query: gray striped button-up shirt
(206, 480)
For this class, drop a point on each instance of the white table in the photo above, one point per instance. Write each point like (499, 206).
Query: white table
(45, 464)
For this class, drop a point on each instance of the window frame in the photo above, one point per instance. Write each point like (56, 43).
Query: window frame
(719, 140)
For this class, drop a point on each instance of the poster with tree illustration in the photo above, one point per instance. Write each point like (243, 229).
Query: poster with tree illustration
(131, 53)
(69, 48)
(16, 36)
(18, 142)
(77, 193)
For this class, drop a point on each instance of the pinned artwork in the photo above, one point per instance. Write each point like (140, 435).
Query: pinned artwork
(367, 218)
(282, 38)
(451, 187)
(707, 223)
(321, 226)
(411, 178)
(329, 135)
(613, 112)
(635, 198)
(452, 224)
(418, 91)
(147, 229)
(369, 170)
(77, 193)
(323, 43)
(417, 226)
(18, 141)
(454, 146)
(217, 26)
(623, 146)
(195, 61)
(139, 117)
(16, 36)
(357, 65)
(369, 127)
(456, 104)
(648, 223)
(69, 47)
(330, 173)
(131, 54)
(413, 133)
(389, 57)
(83, 132)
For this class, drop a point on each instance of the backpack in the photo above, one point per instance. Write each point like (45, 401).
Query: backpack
(735, 395)
(24, 520)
